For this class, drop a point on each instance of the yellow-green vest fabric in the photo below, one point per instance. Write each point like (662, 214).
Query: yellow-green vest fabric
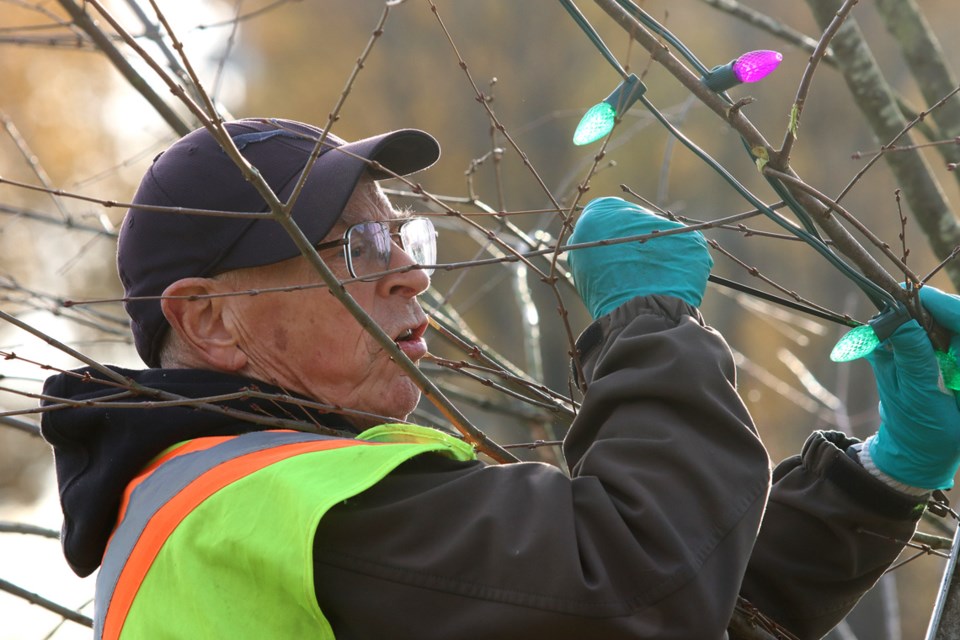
(239, 562)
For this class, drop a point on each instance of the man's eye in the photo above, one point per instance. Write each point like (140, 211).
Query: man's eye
(357, 250)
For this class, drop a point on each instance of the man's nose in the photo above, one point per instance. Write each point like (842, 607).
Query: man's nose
(409, 283)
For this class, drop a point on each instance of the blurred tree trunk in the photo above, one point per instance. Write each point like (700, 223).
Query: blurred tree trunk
(878, 105)
(924, 55)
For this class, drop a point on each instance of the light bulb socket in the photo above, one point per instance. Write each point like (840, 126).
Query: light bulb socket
(888, 321)
(626, 94)
(721, 78)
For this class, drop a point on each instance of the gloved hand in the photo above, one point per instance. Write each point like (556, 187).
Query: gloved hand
(918, 442)
(608, 276)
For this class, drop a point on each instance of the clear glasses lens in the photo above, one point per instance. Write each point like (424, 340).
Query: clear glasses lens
(419, 240)
(368, 249)
(369, 245)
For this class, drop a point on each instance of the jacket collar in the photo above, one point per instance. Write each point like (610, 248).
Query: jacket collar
(101, 445)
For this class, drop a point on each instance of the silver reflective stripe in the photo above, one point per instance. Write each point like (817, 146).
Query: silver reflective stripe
(169, 479)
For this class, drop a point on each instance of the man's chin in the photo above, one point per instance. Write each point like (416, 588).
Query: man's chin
(407, 400)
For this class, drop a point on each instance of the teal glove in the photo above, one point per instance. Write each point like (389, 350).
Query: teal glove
(608, 276)
(918, 442)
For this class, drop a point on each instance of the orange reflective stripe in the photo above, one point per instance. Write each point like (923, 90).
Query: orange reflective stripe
(172, 513)
(191, 446)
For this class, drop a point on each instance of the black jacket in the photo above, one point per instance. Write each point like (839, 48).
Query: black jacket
(652, 533)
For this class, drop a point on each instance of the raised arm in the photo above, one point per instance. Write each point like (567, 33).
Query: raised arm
(648, 536)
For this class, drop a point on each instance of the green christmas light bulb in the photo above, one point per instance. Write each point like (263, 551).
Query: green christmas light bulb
(949, 369)
(861, 341)
(596, 123)
(856, 343)
(599, 120)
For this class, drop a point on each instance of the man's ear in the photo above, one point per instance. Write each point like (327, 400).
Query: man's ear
(200, 322)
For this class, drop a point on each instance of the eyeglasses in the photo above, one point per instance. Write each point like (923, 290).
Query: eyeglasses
(367, 246)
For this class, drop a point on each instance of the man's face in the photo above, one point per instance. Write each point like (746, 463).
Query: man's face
(307, 342)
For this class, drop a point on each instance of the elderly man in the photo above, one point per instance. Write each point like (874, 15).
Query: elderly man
(213, 520)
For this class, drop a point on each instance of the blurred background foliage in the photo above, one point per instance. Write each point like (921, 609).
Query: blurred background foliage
(92, 134)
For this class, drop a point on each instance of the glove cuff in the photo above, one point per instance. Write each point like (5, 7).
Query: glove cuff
(915, 466)
(862, 450)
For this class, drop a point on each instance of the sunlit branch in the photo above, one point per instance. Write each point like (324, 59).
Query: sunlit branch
(455, 332)
(520, 410)
(783, 389)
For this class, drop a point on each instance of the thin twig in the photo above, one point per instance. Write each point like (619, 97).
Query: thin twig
(256, 13)
(552, 278)
(754, 271)
(846, 215)
(28, 529)
(557, 403)
(796, 111)
(50, 605)
(463, 368)
(941, 265)
(893, 143)
(31, 159)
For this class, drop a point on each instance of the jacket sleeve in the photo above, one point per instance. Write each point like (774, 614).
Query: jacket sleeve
(830, 531)
(648, 536)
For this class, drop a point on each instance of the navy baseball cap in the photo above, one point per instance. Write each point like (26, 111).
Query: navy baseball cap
(157, 248)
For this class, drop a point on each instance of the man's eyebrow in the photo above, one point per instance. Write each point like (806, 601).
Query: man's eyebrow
(398, 215)
(352, 217)
(401, 213)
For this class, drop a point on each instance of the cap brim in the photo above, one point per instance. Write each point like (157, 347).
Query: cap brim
(400, 152)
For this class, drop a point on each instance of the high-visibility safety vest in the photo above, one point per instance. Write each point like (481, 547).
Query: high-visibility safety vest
(216, 536)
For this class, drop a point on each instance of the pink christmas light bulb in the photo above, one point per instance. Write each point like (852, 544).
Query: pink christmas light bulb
(750, 67)
(756, 65)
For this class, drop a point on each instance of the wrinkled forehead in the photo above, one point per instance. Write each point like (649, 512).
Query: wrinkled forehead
(368, 202)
